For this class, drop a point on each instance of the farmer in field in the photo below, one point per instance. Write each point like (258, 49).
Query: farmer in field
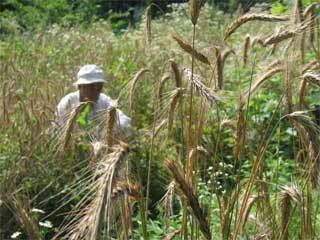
(90, 81)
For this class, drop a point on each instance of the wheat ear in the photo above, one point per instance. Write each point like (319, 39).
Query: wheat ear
(190, 196)
(308, 77)
(70, 125)
(250, 17)
(164, 79)
(25, 218)
(203, 90)
(289, 194)
(108, 172)
(246, 46)
(176, 72)
(189, 49)
(134, 83)
(194, 9)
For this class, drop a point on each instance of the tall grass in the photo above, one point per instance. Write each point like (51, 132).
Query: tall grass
(234, 117)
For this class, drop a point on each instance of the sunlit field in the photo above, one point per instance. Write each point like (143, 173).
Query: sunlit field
(225, 135)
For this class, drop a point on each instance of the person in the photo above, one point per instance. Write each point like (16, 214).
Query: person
(90, 82)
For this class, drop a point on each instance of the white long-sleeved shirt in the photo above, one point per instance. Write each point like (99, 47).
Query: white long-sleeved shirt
(72, 100)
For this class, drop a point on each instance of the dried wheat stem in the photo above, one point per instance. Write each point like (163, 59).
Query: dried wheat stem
(250, 17)
(257, 40)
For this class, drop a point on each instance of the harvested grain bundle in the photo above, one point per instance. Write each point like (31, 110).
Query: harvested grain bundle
(251, 17)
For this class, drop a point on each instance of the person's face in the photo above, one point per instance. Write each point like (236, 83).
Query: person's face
(90, 92)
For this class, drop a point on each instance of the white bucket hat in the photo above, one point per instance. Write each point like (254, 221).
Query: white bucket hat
(89, 74)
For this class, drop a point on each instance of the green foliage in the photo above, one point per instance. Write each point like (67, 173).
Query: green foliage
(278, 8)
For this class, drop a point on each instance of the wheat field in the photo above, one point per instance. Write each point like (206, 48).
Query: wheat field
(225, 129)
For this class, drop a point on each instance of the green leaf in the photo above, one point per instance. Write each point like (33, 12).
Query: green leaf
(83, 118)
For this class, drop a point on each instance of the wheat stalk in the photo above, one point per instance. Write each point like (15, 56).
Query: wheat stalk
(189, 49)
(172, 235)
(191, 198)
(250, 17)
